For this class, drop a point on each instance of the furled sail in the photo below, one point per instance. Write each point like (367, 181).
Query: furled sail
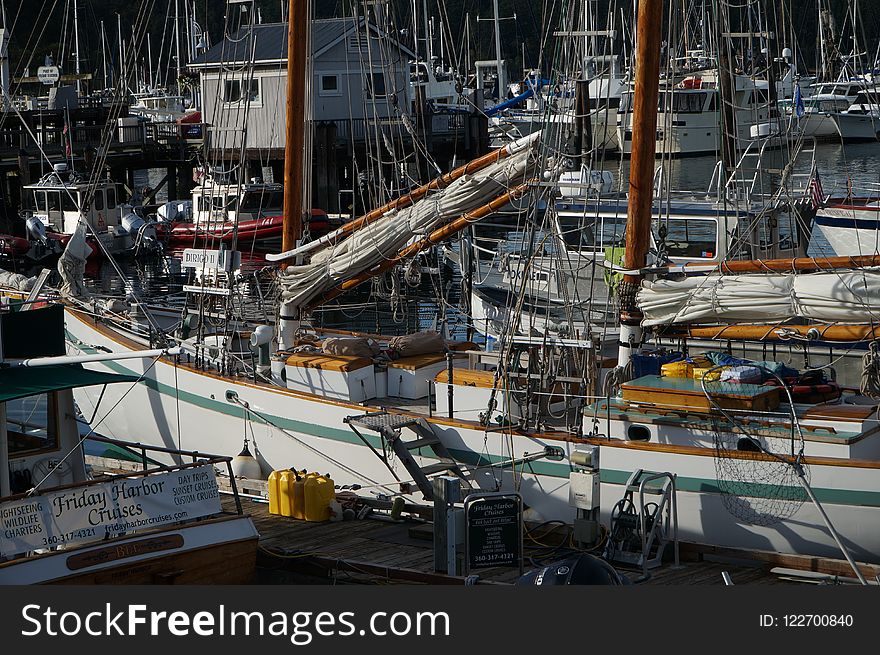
(847, 296)
(382, 239)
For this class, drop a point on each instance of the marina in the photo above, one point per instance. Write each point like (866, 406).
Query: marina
(337, 296)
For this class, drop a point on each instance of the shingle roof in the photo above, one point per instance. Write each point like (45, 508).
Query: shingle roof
(269, 42)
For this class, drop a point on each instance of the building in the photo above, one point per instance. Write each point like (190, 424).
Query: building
(360, 77)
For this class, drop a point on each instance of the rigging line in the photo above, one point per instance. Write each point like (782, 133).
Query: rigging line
(259, 414)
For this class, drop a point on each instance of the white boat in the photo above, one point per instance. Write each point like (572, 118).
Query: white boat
(820, 103)
(861, 122)
(55, 204)
(59, 524)
(851, 225)
(690, 114)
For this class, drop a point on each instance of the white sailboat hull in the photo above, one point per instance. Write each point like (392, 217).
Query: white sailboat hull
(850, 230)
(185, 408)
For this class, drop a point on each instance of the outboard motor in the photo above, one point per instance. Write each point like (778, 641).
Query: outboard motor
(142, 231)
(36, 229)
(582, 569)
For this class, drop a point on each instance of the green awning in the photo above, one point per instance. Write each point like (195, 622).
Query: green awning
(21, 381)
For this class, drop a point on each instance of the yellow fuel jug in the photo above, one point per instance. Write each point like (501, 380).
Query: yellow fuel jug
(274, 492)
(319, 494)
(299, 494)
(286, 481)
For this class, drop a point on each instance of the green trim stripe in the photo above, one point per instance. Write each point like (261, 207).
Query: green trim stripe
(473, 458)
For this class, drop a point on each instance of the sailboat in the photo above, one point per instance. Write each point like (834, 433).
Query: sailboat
(389, 414)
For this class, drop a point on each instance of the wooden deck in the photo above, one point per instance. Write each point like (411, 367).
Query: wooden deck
(378, 550)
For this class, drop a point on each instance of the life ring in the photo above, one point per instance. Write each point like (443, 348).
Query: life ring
(818, 392)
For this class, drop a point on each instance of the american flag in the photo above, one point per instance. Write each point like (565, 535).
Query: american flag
(817, 195)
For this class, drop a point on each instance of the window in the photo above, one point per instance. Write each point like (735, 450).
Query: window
(111, 198)
(53, 199)
(99, 200)
(690, 237)
(32, 424)
(329, 85)
(40, 201)
(241, 90)
(69, 200)
(376, 85)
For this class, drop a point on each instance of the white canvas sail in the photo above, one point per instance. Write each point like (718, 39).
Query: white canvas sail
(849, 296)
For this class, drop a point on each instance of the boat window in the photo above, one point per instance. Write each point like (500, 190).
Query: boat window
(31, 423)
(111, 198)
(690, 237)
(262, 200)
(40, 201)
(638, 432)
(748, 445)
(683, 103)
(99, 200)
(53, 201)
(232, 203)
(68, 201)
(593, 232)
(218, 202)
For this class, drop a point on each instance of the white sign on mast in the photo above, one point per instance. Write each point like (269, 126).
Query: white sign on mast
(48, 74)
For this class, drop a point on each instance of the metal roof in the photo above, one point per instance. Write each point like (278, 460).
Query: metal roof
(268, 42)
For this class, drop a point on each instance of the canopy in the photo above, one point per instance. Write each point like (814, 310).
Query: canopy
(21, 381)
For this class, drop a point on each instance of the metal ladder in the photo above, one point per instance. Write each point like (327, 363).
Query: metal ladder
(391, 428)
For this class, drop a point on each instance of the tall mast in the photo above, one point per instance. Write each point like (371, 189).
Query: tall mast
(501, 80)
(104, 53)
(298, 20)
(641, 173)
(76, 45)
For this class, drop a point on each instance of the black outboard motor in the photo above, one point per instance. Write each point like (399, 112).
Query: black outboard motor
(582, 569)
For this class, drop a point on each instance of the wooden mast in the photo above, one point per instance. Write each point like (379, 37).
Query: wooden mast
(294, 146)
(641, 172)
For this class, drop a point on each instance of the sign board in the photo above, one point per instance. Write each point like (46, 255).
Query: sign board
(494, 529)
(92, 512)
(196, 258)
(48, 74)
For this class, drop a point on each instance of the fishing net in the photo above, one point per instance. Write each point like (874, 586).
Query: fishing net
(757, 452)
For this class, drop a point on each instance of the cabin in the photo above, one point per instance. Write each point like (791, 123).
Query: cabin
(360, 74)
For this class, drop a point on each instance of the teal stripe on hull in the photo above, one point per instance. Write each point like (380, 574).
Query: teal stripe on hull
(473, 458)
(757, 490)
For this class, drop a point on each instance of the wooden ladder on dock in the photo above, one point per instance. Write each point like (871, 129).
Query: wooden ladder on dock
(390, 428)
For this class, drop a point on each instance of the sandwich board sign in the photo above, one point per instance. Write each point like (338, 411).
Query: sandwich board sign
(48, 74)
(494, 530)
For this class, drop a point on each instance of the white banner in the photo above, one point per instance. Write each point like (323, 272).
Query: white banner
(84, 514)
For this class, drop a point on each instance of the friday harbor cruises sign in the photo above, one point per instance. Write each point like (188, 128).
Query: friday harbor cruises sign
(84, 514)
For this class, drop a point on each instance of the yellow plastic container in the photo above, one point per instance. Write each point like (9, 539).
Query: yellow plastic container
(274, 492)
(319, 493)
(299, 494)
(285, 492)
(679, 369)
(708, 373)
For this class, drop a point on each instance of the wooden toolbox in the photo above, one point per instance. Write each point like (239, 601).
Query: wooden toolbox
(687, 393)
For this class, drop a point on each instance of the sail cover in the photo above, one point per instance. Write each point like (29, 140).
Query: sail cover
(372, 244)
(850, 296)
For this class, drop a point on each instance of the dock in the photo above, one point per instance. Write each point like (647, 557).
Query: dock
(378, 550)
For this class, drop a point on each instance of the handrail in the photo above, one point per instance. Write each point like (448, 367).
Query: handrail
(199, 459)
